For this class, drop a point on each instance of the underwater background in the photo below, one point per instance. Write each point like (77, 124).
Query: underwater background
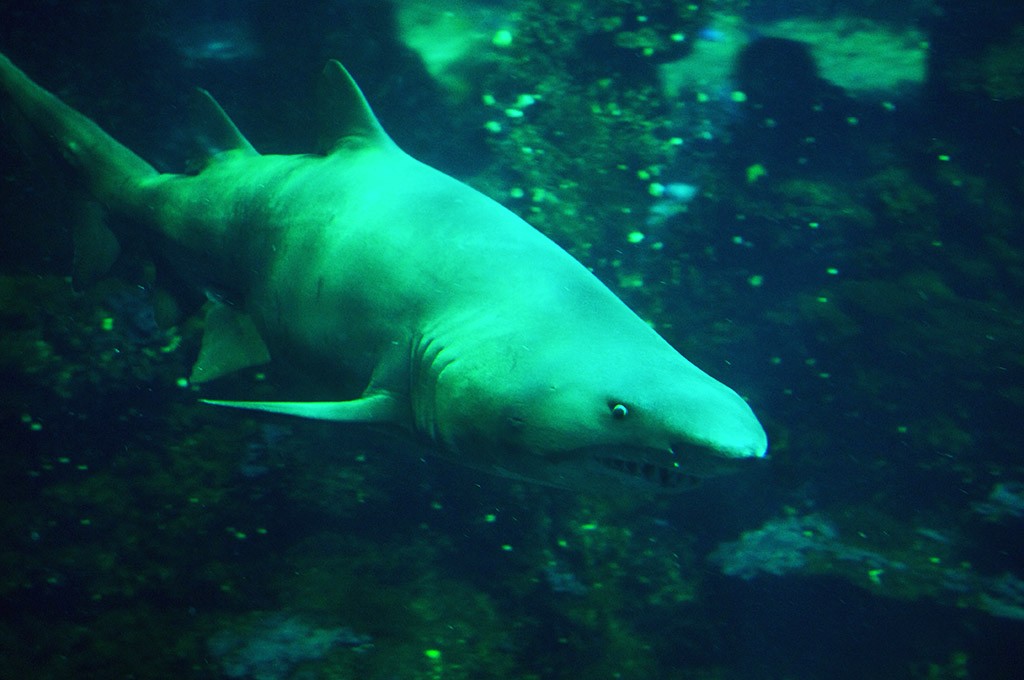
(819, 203)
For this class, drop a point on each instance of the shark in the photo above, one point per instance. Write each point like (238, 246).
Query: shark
(431, 309)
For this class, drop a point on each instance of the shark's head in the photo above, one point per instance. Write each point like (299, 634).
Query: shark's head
(598, 415)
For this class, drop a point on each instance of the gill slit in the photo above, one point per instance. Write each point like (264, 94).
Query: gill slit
(427, 363)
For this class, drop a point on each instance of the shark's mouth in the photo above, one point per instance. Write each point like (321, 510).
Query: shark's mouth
(612, 468)
(664, 477)
(678, 468)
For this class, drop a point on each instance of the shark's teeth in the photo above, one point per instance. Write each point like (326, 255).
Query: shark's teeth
(658, 475)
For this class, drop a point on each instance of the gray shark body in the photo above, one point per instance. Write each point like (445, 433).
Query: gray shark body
(461, 323)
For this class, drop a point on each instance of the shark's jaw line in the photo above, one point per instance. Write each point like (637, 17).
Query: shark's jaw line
(657, 477)
(678, 468)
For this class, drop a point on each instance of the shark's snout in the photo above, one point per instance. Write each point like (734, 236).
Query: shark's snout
(722, 453)
(723, 424)
(748, 441)
(741, 436)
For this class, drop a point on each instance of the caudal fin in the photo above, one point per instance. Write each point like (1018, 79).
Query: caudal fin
(110, 173)
(109, 170)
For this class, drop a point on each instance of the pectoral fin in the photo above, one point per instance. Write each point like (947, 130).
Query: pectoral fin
(230, 343)
(381, 407)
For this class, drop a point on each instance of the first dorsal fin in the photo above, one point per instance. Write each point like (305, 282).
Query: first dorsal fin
(345, 115)
(216, 133)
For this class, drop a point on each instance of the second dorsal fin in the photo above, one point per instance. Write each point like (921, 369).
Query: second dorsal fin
(216, 133)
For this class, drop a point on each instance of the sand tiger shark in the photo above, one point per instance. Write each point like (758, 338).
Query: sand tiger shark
(455, 320)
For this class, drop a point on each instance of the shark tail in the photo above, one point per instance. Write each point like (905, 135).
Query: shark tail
(109, 171)
(109, 168)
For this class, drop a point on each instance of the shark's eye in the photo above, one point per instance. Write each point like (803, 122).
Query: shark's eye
(619, 411)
